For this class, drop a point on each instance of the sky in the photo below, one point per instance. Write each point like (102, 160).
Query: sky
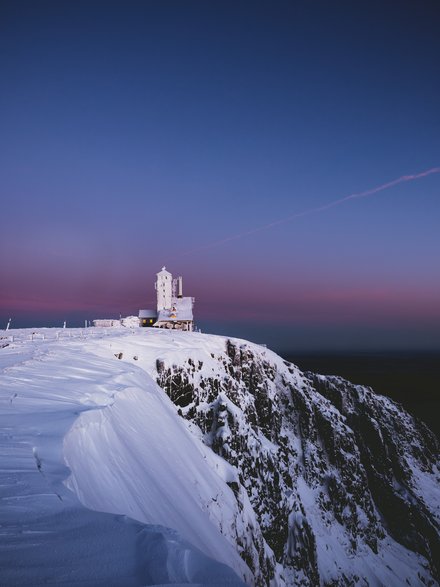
(141, 134)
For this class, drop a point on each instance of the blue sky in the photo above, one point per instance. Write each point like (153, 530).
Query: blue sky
(134, 132)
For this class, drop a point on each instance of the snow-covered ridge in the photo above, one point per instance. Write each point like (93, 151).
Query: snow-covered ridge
(287, 478)
(137, 459)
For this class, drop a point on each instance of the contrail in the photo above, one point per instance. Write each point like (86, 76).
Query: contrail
(333, 204)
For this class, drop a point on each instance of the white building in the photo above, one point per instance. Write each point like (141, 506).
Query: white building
(174, 311)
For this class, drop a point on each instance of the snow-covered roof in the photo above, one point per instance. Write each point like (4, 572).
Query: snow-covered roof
(184, 311)
(147, 313)
(163, 271)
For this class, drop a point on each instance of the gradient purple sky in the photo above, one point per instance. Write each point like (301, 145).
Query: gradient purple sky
(138, 134)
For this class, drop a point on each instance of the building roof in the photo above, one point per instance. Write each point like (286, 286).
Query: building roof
(147, 313)
(183, 306)
(163, 271)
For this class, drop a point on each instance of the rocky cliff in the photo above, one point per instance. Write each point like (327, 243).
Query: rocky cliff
(344, 484)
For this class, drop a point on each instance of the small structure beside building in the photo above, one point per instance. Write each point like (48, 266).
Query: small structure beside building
(106, 323)
(147, 318)
(174, 311)
(127, 322)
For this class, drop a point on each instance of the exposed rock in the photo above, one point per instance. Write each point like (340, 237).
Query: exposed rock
(338, 478)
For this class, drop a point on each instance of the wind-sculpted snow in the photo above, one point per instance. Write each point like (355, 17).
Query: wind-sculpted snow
(288, 478)
(49, 382)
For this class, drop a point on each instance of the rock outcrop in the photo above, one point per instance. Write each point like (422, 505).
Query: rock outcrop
(342, 481)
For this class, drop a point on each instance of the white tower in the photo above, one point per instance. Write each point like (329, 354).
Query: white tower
(164, 288)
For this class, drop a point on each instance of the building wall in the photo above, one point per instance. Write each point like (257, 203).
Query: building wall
(187, 325)
(104, 323)
(147, 322)
(164, 288)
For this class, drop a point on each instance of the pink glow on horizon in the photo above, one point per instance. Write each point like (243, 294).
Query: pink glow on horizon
(319, 302)
(330, 306)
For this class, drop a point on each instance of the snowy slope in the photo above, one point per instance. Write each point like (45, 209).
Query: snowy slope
(149, 455)
(138, 460)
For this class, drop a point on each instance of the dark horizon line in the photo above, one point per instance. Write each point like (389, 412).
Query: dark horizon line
(350, 352)
(291, 353)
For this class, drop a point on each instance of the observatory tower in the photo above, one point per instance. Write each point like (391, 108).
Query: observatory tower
(174, 312)
(164, 289)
